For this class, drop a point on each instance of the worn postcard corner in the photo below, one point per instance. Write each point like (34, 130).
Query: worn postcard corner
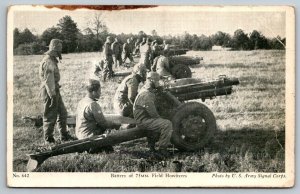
(150, 96)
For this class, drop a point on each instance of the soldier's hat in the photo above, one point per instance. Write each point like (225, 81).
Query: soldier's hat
(55, 48)
(140, 69)
(55, 45)
(92, 81)
(153, 76)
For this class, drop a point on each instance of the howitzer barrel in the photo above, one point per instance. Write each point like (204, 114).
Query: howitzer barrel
(205, 94)
(203, 90)
(85, 145)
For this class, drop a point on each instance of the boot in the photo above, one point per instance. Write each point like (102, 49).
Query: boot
(67, 137)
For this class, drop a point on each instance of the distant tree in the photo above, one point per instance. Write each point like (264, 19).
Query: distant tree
(195, 44)
(221, 39)
(258, 41)
(23, 37)
(277, 43)
(97, 26)
(27, 36)
(240, 40)
(51, 33)
(69, 31)
(204, 43)
(16, 37)
(186, 40)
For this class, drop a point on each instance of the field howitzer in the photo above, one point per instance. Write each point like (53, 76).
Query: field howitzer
(194, 124)
(188, 89)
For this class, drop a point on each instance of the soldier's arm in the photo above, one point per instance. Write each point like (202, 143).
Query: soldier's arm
(124, 47)
(106, 51)
(113, 48)
(99, 117)
(49, 81)
(133, 86)
(149, 105)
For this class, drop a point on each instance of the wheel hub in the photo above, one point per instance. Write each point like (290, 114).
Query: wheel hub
(193, 128)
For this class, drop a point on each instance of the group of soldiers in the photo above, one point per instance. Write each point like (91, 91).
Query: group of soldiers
(116, 54)
(129, 101)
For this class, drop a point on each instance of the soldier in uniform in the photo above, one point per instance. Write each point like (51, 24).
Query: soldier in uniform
(147, 117)
(127, 52)
(54, 108)
(108, 60)
(128, 90)
(161, 65)
(116, 52)
(90, 120)
(145, 50)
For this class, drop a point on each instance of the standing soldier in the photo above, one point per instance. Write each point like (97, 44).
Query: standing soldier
(136, 50)
(127, 51)
(116, 52)
(146, 115)
(54, 108)
(128, 90)
(166, 46)
(145, 50)
(108, 60)
(132, 45)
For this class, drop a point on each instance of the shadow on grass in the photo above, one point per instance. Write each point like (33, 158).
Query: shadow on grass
(246, 150)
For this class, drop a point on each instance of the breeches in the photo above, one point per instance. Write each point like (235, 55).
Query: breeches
(158, 126)
(57, 112)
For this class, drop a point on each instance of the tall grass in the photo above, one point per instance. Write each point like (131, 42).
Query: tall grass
(251, 121)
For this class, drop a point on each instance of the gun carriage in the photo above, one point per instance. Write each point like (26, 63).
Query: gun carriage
(194, 123)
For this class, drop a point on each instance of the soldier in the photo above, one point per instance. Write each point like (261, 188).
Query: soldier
(146, 115)
(90, 120)
(108, 60)
(132, 47)
(166, 46)
(128, 90)
(145, 50)
(116, 52)
(136, 50)
(54, 108)
(127, 52)
(161, 65)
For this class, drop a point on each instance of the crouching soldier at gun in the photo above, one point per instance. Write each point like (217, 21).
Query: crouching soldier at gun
(128, 90)
(90, 120)
(147, 117)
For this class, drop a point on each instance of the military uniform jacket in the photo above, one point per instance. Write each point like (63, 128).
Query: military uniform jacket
(128, 89)
(107, 51)
(116, 50)
(126, 48)
(49, 75)
(89, 118)
(144, 105)
(162, 66)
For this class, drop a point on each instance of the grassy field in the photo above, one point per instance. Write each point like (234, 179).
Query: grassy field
(251, 121)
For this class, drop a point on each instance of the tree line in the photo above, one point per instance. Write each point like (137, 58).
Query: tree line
(92, 38)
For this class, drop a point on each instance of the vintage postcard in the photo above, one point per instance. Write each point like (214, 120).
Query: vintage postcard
(150, 96)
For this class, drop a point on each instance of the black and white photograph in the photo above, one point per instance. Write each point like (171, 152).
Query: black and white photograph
(150, 96)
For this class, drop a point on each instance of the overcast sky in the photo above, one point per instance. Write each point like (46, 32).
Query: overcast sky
(165, 20)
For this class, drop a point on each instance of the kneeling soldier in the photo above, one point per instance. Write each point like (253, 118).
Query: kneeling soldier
(128, 90)
(147, 117)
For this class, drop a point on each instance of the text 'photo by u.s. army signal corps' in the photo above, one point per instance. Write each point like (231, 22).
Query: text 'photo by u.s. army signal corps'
(150, 96)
